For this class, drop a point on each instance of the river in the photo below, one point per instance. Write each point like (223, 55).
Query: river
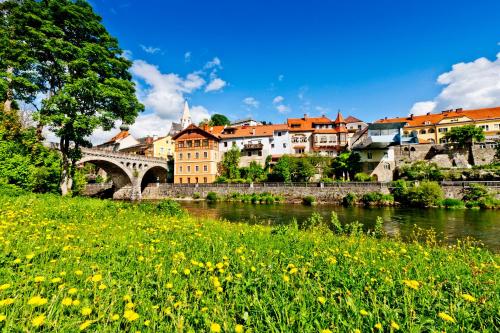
(450, 225)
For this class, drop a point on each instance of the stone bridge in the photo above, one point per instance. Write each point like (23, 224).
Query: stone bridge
(130, 173)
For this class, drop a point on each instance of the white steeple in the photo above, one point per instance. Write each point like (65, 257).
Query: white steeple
(186, 116)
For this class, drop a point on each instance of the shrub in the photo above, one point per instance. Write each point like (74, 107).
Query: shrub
(379, 232)
(350, 200)
(362, 177)
(452, 203)
(377, 199)
(212, 196)
(196, 195)
(421, 170)
(309, 200)
(425, 194)
(313, 222)
(335, 223)
(170, 207)
(475, 192)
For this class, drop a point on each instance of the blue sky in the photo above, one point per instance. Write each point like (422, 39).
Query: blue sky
(366, 58)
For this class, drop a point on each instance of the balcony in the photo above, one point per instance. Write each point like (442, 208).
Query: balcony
(253, 146)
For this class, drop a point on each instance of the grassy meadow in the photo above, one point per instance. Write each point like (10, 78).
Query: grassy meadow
(79, 264)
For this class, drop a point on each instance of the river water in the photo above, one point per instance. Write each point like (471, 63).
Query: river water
(450, 225)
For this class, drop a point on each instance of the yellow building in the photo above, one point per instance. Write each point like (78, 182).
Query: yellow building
(431, 128)
(164, 147)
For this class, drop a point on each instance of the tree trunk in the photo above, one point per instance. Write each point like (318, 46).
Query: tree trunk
(66, 181)
(7, 104)
(471, 154)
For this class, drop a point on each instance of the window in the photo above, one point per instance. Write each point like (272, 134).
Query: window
(188, 169)
(162, 150)
(431, 130)
(284, 145)
(299, 151)
(259, 153)
(205, 143)
(249, 153)
(196, 168)
(442, 140)
(204, 179)
(189, 143)
(180, 168)
(369, 155)
(497, 126)
(427, 122)
(181, 144)
(279, 133)
(180, 156)
(485, 127)
(180, 180)
(189, 156)
(196, 143)
(387, 166)
(205, 168)
(189, 180)
(323, 139)
(225, 144)
(196, 180)
(423, 131)
(272, 145)
(205, 154)
(443, 130)
(197, 155)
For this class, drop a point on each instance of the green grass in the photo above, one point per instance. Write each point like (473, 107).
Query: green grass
(167, 272)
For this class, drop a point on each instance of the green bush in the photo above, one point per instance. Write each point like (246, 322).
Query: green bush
(425, 194)
(452, 203)
(170, 207)
(196, 195)
(421, 170)
(377, 199)
(362, 177)
(475, 192)
(309, 200)
(349, 200)
(212, 196)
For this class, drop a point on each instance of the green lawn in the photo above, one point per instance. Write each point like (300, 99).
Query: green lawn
(71, 264)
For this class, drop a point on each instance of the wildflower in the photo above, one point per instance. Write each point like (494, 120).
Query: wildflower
(72, 291)
(321, 299)
(326, 331)
(186, 271)
(363, 313)
(198, 293)
(378, 326)
(17, 261)
(76, 302)
(412, 284)
(115, 317)
(39, 278)
(5, 286)
(96, 278)
(85, 324)
(127, 298)
(86, 311)
(446, 317)
(169, 285)
(469, 298)
(30, 256)
(7, 301)
(56, 280)
(38, 321)
(78, 272)
(394, 325)
(294, 270)
(37, 301)
(2, 317)
(67, 301)
(102, 286)
(238, 328)
(215, 328)
(130, 315)
(129, 305)
(286, 278)
(147, 323)
(253, 269)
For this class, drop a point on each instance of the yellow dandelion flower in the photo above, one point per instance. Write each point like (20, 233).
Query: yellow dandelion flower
(67, 301)
(7, 301)
(17, 261)
(86, 311)
(253, 269)
(294, 270)
(96, 278)
(356, 331)
(446, 317)
(238, 328)
(2, 317)
(130, 315)
(169, 285)
(363, 313)
(102, 286)
(198, 293)
(129, 305)
(469, 298)
(326, 331)
(39, 279)
(85, 324)
(321, 299)
(76, 302)
(115, 317)
(5, 286)
(56, 280)
(186, 271)
(72, 291)
(215, 328)
(413, 284)
(37, 301)
(394, 325)
(38, 321)
(78, 272)
(286, 278)
(30, 256)
(378, 326)
(219, 289)
(127, 298)
(147, 323)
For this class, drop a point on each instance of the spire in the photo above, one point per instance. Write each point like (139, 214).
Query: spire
(186, 116)
(340, 119)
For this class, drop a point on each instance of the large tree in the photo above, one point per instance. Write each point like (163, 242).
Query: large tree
(230, 163)
(219, 120)
(464, 137)
(82, 69)
(346, 165)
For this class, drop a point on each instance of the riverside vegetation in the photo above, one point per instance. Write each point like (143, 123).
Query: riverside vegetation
(80, 264)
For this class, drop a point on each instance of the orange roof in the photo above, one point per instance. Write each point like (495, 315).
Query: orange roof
(119, 136)
(340, 119)
(434, 118)
(306, 123)
(251, 131)
(331, 130)
(352, 119)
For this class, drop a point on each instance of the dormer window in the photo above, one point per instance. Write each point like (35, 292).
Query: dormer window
(427, 122)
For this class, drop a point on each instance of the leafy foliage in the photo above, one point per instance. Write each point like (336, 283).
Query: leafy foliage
(219, 120)
(421, 170)
(346, 165)
(230, 163)
(465, 135)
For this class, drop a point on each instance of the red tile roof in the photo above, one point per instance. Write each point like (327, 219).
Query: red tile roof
(352, 119)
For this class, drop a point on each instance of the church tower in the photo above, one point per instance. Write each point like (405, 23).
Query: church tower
(186, 116)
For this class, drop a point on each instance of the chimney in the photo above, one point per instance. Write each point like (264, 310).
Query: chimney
(411, 116)
(305, 115)
(459, 110)
(205, 127)
(428, 113)
(253, 131)
(148, 140)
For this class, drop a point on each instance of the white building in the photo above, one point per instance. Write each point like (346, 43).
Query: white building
(186, 116)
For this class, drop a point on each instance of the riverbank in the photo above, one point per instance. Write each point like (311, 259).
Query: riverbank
(99, 265)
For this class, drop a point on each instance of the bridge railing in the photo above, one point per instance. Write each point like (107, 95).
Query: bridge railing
(122, 154)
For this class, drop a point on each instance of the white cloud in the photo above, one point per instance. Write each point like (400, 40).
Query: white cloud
(199, 113)
(278, 99)
(215, 85)
(468, 85)
(214, 63)
(127, 54)
(193, 82)
(150, 49)
(421, 108)
(281, 77)
(322, 109)
(187, 56)
(251, 101)
(283, 108)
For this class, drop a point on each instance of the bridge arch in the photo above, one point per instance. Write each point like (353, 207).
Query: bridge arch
(153, 174)
(120, 175)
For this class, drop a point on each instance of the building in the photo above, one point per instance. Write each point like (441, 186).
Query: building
(255, 142)
(376, 148)
(120, 141)
(164, 147)
(196, 155)
(318, 135)
(354, 125)
(186, 116)
(246, 122)
(431, 127)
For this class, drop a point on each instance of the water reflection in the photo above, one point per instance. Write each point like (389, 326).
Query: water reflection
(450, 225)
